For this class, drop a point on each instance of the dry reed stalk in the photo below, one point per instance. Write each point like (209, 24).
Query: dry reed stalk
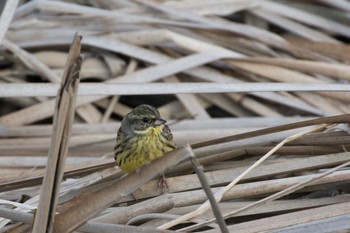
(6, 17)
(277, 195)
(339, 71)
(213, 203)
(79, 210)
(88, 227)
(63, 119)
(27, 90)
(66, 188)
(293, 26)
(324, 120)
(295, 218)
(224, 176)
(30, 178)
(131, 68)
(270, 207)
(335, 51)
(209, 60)
(219, 194)
(109, 128)
(168, 201)
(307, 18)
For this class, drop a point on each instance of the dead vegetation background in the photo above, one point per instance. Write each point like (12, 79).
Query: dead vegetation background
(258, 88)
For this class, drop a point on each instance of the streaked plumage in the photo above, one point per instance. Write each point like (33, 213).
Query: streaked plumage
(142, 137)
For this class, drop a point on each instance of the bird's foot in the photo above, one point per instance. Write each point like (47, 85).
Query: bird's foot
(163, 184)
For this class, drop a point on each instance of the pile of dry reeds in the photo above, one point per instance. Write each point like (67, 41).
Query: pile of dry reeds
(256, 93)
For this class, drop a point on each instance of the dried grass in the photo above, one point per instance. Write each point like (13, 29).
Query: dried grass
(236, 79)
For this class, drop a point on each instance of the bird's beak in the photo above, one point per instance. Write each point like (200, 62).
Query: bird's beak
(159, 121)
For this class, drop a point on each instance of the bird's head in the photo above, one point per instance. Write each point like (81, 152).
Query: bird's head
(142, 119)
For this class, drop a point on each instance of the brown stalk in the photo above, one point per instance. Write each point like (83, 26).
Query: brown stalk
(215, 42)
(206, 187)
(36, 177)
(63, 119)
(275, 196)
(322, 120)
(87, 205)
(299, 217)
(92, 227)
(168, 201)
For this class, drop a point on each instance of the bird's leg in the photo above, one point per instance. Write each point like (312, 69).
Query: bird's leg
(163, 183)
(137, 170)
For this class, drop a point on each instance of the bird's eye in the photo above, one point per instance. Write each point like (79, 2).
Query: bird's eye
(146, 120)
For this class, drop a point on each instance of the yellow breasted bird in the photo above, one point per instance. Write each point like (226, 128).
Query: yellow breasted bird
(142, 137)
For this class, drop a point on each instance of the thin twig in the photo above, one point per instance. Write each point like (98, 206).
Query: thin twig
(275, 196)
(220, 193)
(206, 187)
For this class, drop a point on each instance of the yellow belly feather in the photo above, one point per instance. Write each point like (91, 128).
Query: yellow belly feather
(146, 147)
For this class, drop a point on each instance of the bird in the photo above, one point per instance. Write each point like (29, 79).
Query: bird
(142, 137)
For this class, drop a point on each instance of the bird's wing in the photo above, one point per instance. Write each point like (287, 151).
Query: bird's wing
(166, 133)
(118, 142)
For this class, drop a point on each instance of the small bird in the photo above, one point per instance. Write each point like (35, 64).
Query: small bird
(142, 137)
